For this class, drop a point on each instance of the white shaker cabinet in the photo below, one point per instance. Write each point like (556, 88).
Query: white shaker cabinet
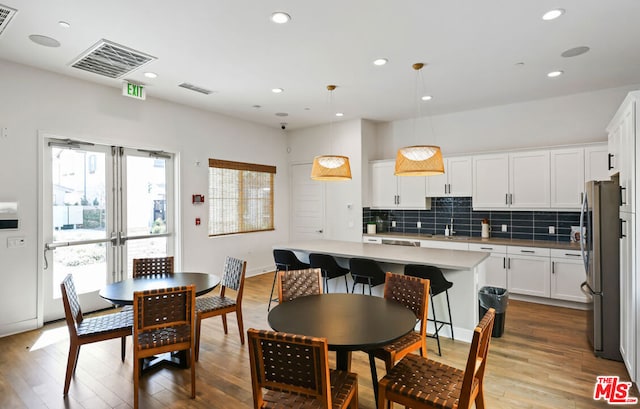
(567, 274)
(456, 180)
(628, 300)
(596, 162)
(495, 266)
(567, 178)
(389, 191)
(517, 180)
(528, 271)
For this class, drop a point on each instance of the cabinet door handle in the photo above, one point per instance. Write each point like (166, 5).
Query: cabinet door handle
(528, 251)
(510, 198)
(553, 267)
(609, 157)
(506, 198)
(622, 236)
(622, 202)
(509, 262)
(572, 255)
(504, 262)
(581, 197)
(486, 248)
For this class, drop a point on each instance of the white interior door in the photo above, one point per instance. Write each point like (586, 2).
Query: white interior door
(101, 206)
(307, 204)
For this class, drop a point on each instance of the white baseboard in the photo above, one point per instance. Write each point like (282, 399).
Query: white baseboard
(17, 327)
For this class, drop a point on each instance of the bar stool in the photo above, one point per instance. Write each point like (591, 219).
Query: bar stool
(330, 268)
(284, 260)
(439, 285)
(365, 271)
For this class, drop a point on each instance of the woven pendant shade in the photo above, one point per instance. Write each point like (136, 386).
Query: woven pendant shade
(331, 167)
(423, 160)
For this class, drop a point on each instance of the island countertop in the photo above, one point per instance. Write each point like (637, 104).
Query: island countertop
(445, 259)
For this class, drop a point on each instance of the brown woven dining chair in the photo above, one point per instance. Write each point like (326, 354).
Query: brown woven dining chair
(206, 307)
(413, 293)
(292, 371)
(419, 383)
(163, 322)
(299, 283)
(152, 266)
(88, 330)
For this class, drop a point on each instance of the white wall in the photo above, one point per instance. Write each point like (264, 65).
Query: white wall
(571, 119)
(343, 200)
(33, 100)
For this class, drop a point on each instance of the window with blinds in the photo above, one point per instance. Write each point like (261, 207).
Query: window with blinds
(240, 197)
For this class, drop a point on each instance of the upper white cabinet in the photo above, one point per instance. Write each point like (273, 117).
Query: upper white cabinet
(456, 180)
(623, 131)
(567, 178)
(511, 180)
(596, 162)
(389, 191)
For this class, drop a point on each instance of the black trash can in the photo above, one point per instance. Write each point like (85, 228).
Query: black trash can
(496, 298)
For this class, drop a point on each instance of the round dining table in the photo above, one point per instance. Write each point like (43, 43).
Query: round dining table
(121, 292)
(349, 322)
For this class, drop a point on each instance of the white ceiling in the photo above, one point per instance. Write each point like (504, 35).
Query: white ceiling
(472, 48)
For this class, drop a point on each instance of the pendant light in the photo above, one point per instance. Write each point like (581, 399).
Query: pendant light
(331, 167)
(419, 160)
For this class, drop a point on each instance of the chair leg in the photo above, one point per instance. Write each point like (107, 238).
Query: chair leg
(435, 322)
(240, 324)
(197, 340)
(74, 351)
(449, 308)
(136, 380)
(326, 284)
(368, 279)
(480, 398)
(353, 287)
(123, 348)
(224, 323)
(273, 287)
(346, 283)
(193, 371)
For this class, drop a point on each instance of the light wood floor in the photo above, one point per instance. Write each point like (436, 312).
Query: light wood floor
(542, 361)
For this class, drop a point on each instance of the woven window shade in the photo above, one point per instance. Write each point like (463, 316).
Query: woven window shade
(240, 197)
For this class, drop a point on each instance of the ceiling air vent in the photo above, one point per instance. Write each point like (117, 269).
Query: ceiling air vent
(111, 60)
(6, 14)
(195, 88)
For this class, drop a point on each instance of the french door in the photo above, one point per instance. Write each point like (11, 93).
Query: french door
(101, 207)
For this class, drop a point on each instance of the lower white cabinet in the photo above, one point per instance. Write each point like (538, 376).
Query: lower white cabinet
(495, 266)
(567, 273)
(528, 271)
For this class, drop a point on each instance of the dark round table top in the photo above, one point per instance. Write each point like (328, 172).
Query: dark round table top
(121, 292)
(348, 321)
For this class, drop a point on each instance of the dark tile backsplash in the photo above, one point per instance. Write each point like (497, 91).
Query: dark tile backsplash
(467, 222)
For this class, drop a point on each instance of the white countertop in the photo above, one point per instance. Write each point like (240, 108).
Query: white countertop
(446, 259)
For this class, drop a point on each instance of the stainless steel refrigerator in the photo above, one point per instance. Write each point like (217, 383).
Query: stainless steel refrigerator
(599, 220)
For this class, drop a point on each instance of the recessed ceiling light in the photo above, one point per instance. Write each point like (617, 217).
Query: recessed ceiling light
(553, 14)
(554, 74)
(380, 61)
(339, 114)
(575, 51)
(426, 98)
(256, 106)
(64, 24)
(151, 75)
(280, 17)
(277, 90)
(44, 40)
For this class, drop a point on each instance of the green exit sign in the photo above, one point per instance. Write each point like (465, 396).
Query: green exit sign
(133, 90)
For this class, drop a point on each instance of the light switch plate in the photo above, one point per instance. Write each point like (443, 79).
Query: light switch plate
(14, 242)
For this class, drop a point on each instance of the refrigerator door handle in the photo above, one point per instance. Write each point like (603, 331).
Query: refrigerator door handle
(583, 214)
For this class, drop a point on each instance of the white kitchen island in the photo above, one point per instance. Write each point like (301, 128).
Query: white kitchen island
(465, 269)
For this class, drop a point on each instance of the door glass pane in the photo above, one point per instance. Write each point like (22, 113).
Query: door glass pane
(79, 196)
(144, 248)
(146, 196)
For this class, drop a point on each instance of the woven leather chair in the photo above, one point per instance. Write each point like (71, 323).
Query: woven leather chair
(88, 330)
(366, 271)
(439, 285)
(330, 268)
(152, 266)
(292, 371)
(299, 283)
(163, 322)
(419, 383)
(206, 307)
(285, 260)
(412, 292)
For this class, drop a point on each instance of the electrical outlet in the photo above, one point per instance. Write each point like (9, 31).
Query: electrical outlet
(552, 229)
(419, 224)
(504, 227)
(393, 223)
